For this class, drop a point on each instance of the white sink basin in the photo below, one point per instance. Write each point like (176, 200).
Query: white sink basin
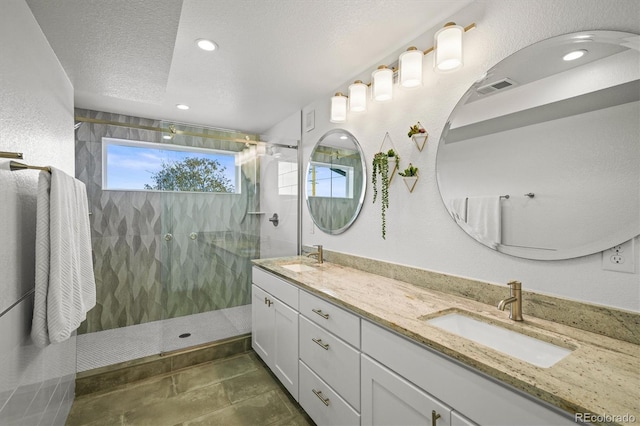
(298, 267)
(529, 349)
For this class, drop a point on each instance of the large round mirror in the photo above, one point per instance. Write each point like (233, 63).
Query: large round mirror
(336, 181)
(541, 158)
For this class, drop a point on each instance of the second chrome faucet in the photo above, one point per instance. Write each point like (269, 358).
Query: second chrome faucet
(514, 301)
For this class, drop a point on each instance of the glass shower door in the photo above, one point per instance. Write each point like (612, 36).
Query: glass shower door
(210, 238)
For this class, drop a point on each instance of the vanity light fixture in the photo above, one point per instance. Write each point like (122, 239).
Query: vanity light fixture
(338, 108)
(358, 96)
(447, 58)
(576, 54)
(182, 107)
(448, 48)
(410, 64)
(382, 85)
(207, 45)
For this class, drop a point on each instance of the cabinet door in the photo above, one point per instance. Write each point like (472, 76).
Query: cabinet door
(388, 399)
(459, 420)
(285, 347)
(263, 323)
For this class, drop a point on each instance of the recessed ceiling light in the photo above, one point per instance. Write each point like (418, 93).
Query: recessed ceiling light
(167, 137)
(571, 56)
(207, 45)
(343, 137)
(182, 106)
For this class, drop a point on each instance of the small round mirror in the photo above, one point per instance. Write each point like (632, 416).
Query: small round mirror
(335, 181)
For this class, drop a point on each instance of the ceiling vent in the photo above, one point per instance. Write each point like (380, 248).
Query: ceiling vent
(495, 86)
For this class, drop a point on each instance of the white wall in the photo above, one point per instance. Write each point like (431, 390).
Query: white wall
(419, 231)
(36, 104)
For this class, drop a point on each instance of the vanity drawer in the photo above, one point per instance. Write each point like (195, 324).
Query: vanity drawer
(321, 402)
(277, 287)
(338, 321)
(332, 359)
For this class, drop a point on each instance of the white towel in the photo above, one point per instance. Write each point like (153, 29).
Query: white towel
(483, 219)
(17, 233)
(65, 285)
(458, 209)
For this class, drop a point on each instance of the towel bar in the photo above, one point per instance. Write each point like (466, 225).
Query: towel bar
(14, 165)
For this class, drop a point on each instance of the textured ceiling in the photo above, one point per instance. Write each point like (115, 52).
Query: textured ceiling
(138, 57)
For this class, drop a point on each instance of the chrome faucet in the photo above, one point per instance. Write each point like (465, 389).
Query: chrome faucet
(317, 254)
(514, 301)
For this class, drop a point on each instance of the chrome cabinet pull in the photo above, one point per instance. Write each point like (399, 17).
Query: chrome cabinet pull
(319, 342)
(324, 400)
(434, 416)
(319, 312)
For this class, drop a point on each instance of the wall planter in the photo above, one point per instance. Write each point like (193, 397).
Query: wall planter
(410, 177)
(385, 164)
(410, 182)
(419, 135)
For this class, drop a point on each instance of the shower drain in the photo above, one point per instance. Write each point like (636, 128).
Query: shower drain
(183, 335)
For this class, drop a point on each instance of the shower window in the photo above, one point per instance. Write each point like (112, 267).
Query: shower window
(145, 166)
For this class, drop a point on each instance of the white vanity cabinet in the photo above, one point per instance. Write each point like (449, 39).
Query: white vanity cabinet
(468, 392)
(274, 312)
(344, 369)
(329, 362)
(388, 399)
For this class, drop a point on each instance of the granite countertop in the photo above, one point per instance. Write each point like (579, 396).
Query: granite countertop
(600, 376)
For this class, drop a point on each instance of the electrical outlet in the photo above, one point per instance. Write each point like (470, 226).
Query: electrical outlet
(620, 258)
(619, 249)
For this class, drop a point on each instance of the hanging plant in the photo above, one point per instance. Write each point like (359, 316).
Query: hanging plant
(409, 171)
(381, 167)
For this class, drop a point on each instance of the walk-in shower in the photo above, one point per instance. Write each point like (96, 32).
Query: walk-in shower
(177, 214)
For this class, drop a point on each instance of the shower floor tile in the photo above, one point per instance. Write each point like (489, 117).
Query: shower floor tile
(118, 345)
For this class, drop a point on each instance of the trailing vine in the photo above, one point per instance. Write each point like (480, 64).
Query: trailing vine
(381, 166)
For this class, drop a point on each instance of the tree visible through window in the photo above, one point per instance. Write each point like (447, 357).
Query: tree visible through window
(191, 174)
(139, 166)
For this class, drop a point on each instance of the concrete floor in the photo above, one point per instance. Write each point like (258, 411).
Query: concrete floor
(238, 390)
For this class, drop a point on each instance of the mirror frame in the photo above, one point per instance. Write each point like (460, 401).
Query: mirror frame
(621, 234)
(363, 191)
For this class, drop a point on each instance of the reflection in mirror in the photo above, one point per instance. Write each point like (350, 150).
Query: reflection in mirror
(537, 155)
(336, 181)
